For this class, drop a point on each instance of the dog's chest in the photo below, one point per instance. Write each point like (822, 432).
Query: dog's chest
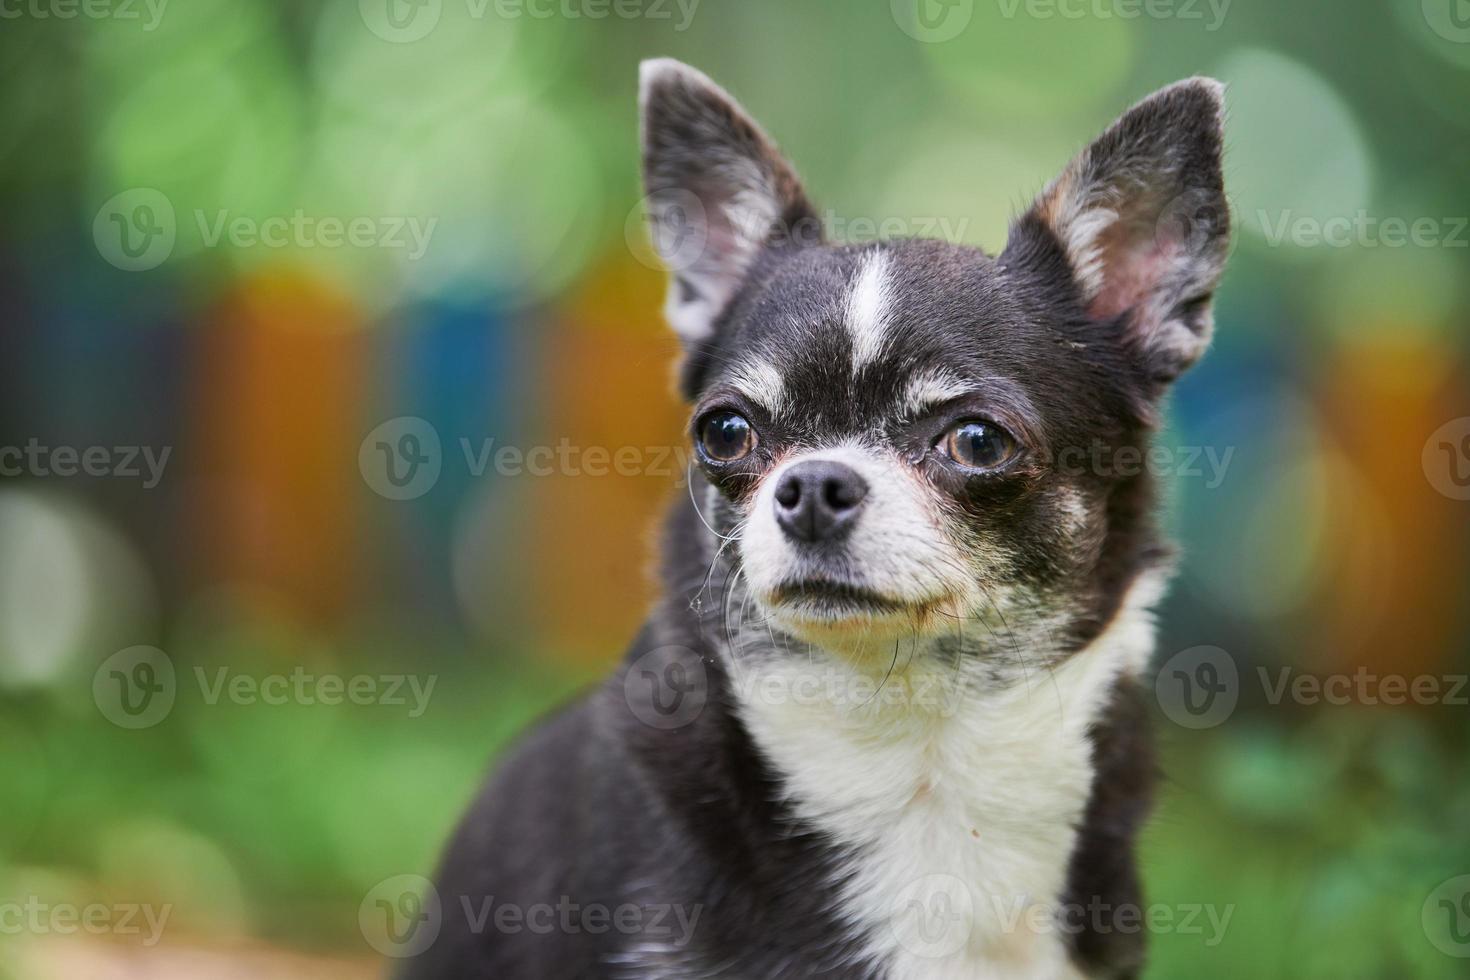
(960, 802)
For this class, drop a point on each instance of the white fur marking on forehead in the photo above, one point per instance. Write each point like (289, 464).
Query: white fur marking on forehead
(867, 309)
(934, 387)
(757, 379)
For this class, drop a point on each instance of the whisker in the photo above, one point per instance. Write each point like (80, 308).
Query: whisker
(689, 484)
(881, 684)
(734, 535)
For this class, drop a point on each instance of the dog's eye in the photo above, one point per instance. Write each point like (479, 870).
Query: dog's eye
(978, 445)
(725, 437)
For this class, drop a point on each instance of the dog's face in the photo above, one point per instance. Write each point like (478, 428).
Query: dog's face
(914, 436)
(879, 421)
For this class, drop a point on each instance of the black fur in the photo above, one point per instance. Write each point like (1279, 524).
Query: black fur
(602, 806)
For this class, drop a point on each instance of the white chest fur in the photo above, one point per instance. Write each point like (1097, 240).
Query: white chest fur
(960, 801)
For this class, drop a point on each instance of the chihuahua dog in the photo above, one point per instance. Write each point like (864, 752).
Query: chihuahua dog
(887, 721)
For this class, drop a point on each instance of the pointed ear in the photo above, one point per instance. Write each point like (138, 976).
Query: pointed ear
(717, 191)
(1139, 224)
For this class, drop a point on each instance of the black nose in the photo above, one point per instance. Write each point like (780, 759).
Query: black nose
(819, 500)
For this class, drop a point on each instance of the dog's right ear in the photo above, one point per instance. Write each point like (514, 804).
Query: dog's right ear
(718, 191)
(1139, 224)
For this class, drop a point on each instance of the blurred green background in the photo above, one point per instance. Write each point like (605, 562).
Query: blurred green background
(150, 303)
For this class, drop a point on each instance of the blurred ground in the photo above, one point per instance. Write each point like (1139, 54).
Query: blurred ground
(58, 959)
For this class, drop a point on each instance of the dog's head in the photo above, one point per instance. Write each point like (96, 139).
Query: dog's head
(915, 435)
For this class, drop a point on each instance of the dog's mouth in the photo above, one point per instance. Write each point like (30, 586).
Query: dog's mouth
(829, 600)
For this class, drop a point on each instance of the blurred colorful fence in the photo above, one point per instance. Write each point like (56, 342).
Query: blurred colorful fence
(259, 258)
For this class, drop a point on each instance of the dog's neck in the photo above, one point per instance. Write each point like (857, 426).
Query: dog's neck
(957, 785)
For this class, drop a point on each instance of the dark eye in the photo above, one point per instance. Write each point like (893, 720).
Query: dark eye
(978, 445)
(725, 437)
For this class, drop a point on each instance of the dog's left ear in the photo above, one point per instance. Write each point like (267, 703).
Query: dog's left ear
(718, 191)
(1139, 224)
